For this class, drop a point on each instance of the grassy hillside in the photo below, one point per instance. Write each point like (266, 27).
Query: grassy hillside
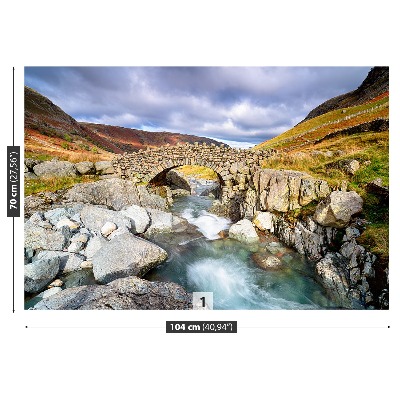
(304, 135)
(321, 145)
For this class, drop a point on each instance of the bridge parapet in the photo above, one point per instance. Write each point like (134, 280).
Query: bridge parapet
(228, 163)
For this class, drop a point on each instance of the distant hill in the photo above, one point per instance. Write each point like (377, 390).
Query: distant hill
(127, 139)
(50, 132)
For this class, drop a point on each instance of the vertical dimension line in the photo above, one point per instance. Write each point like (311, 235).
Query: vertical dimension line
(13, 246)
(13, 105)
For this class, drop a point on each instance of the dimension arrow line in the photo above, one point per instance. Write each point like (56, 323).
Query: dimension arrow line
(13, 230)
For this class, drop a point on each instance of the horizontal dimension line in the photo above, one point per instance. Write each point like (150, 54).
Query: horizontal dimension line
(239, 327)
(314, 327)
(94, 327)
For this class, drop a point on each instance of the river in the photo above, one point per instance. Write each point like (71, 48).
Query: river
(201, 261)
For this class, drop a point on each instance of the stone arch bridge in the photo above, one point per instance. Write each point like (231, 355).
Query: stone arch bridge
(234, 167)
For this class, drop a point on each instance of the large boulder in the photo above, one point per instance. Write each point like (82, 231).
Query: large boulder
(39, 273)
(94, 245)
(348, 166)
(338, 208)
(94, 218)
(68, 262)
(284, 190)
(130, 293)
(115, 193)
(332, 271)
(49, 169)
(104, 167)
(160, 222)
(126, 255)
(139, 216)
(264, 221)
(150, 200)
(37, 237)
(85, 167)
(57, 214)
(243, 231)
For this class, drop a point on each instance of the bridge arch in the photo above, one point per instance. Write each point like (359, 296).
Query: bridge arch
(234, 167)
(160, 178)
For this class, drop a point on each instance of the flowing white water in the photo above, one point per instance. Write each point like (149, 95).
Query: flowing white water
(226, 267)
(208, 224)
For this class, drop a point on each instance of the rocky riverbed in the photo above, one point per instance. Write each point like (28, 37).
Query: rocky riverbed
(109, 244)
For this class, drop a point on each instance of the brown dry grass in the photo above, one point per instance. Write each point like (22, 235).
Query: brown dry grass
(44, 147)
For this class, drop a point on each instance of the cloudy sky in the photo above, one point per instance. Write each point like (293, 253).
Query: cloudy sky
(244, 105)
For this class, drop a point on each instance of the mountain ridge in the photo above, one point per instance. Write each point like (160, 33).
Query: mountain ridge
(51, 131)
(375, 84)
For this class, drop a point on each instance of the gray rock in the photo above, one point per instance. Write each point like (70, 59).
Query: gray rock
(108, 228)
(68, 262)
(39, 202)
(351, 167)
(80, 237)
(30, 175)
(49, 292)
(284, 190)
(264, 221)
(94, 245)
(114, 193)
(104, 167)
(332, 273)
(39, 274)
(75, 247)
(56, 283)
(94, 218)
(38, 219)
(139, 216)
(30, 163)
(72, 225)
(117, 232)
(86, 264)
(351, 233)
(348, 166)
(243, 231)
(130, 293)
(124, 256)
(37, 238)
(160, 222)
(43, 295)
(56, 214)
(81, 277)
(85, 167)
(266, 261)
(149, 200)
(28, 255)
(54, 168)
(338, 208)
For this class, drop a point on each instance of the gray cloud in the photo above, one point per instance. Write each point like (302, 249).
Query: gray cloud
(240, 104)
